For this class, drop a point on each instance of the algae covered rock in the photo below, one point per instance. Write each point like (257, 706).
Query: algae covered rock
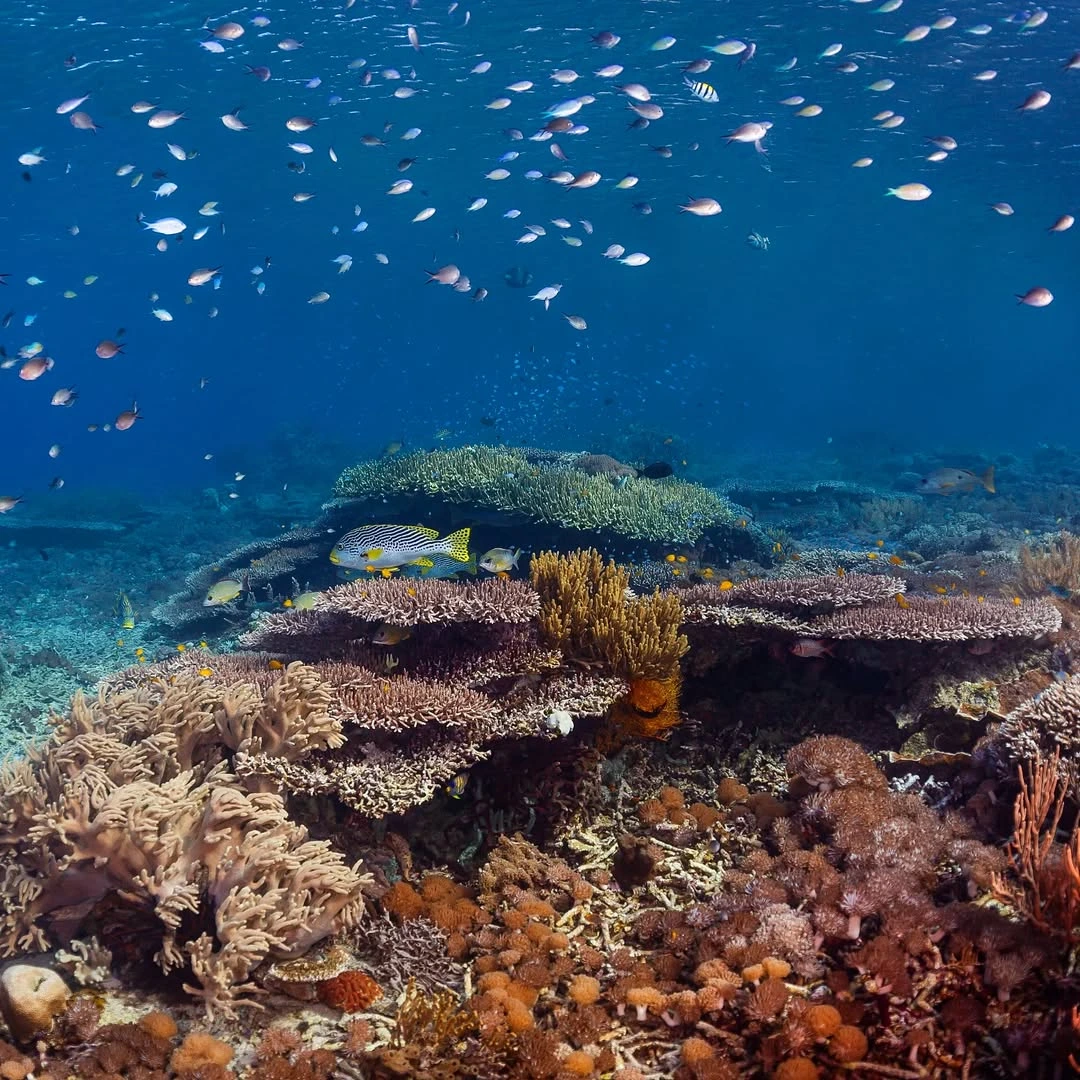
(550, 491)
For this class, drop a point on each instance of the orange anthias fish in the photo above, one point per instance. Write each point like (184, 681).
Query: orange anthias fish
(947, 481)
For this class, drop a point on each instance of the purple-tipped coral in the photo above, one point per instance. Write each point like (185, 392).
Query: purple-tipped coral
(941, 619)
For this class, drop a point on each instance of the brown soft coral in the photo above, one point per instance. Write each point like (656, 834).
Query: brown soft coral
(828, 762)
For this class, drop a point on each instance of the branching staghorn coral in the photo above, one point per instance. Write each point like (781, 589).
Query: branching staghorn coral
(588, 611)
(665, 511)
(133, 800)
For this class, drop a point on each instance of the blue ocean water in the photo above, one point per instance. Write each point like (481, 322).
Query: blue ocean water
(867, 316)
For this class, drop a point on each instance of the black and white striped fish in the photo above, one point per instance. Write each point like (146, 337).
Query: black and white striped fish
(387, 547)
(703, 90)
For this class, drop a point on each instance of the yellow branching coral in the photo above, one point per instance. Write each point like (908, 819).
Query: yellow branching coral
(434, 1021)
(1057, 565)
(588, 611)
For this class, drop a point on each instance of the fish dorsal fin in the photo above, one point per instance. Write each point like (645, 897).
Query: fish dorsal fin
(430, 533)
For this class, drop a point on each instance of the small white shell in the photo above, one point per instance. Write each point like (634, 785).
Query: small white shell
(559, 721)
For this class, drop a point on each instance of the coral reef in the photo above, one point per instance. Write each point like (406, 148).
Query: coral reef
(589, 612)
(486, 478)
(798, 821)
(258, 564)
(131, 805)
(473, 672)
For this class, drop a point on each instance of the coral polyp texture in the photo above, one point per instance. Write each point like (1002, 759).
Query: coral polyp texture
(493, 829)
(550, 493)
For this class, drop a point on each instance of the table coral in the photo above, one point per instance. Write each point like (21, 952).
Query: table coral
(668, 511)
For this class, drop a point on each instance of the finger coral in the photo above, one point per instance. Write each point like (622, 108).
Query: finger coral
(132, 801)
(585, 610)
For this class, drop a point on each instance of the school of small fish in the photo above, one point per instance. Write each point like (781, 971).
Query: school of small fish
(571, 115)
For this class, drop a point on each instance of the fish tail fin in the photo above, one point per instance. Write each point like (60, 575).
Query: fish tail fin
(457, 544)
(470, 566)
(515, 557)
(987, 480)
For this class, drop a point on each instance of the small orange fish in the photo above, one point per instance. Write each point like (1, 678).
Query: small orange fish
(725, 585)
(275, 665)
(127, 418)
(896, 560)
(901, 600)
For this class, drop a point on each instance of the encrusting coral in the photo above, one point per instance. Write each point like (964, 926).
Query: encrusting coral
(132, 802)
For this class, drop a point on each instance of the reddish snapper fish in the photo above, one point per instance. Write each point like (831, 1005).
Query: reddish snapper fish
(947, 481)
